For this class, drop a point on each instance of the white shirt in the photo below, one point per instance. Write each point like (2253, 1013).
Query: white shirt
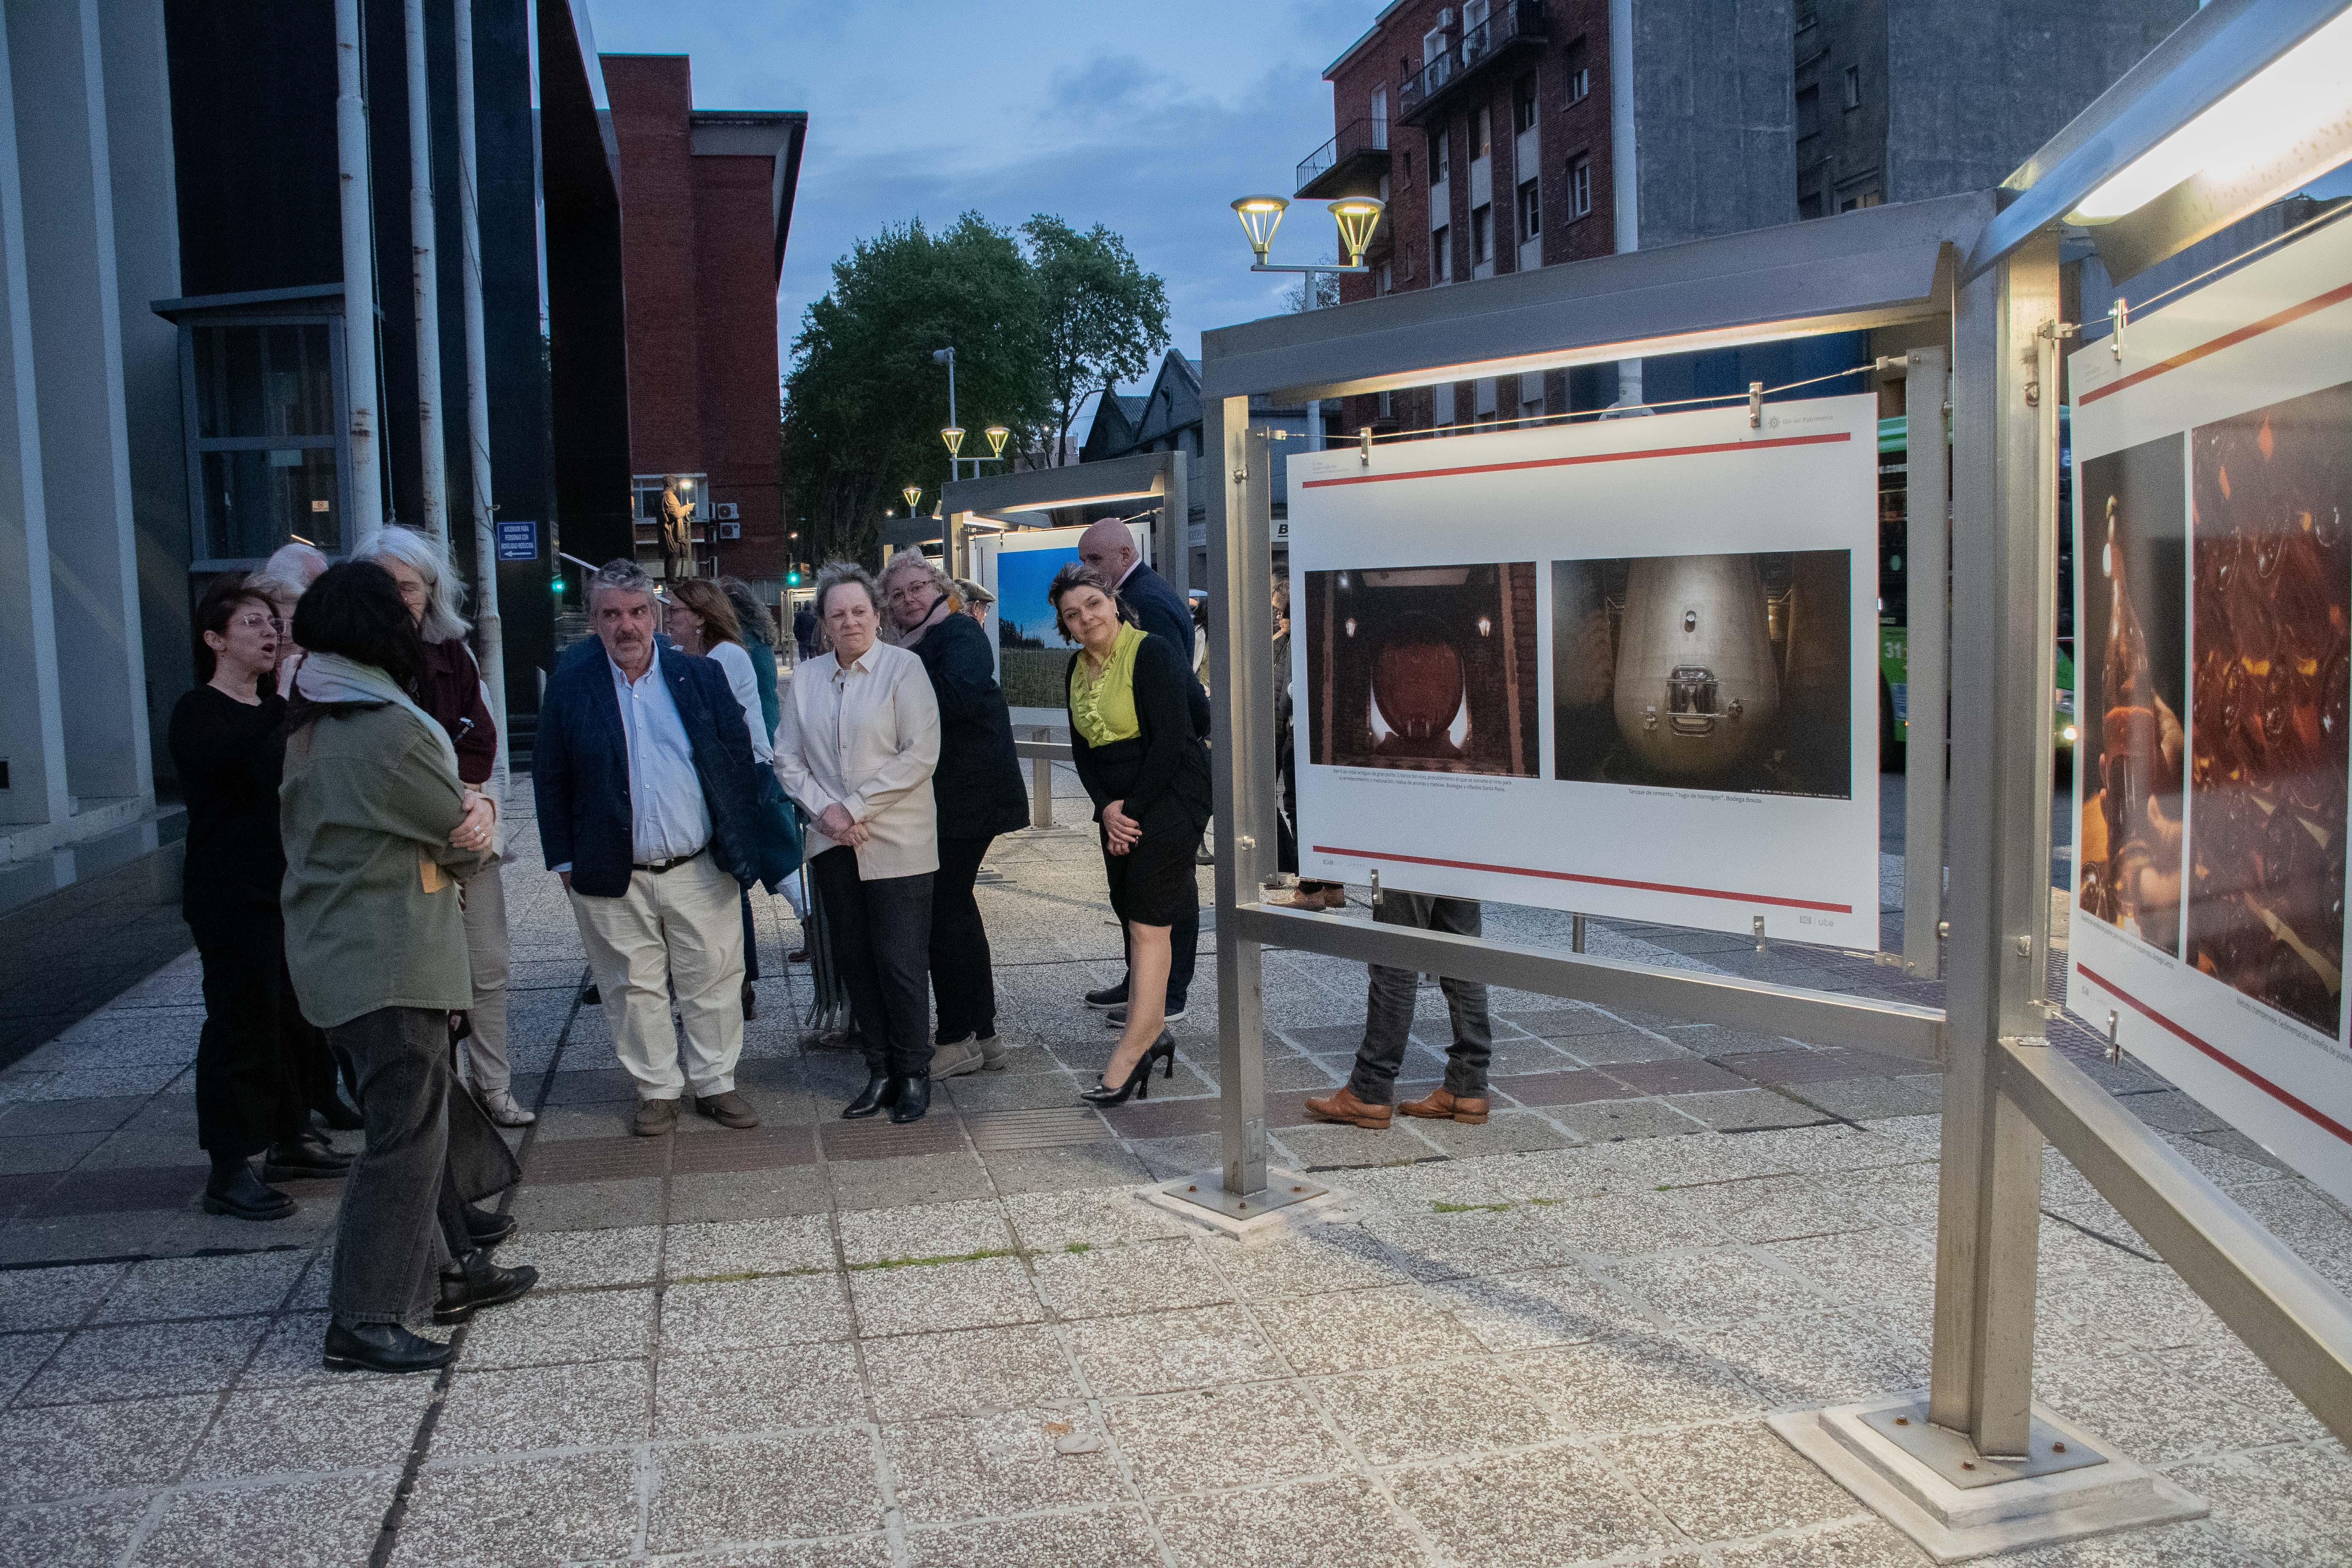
(737, 662)
(668, 815)
(866, 739)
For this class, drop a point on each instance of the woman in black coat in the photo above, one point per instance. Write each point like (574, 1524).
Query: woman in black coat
(978, 794)
(1132, 738)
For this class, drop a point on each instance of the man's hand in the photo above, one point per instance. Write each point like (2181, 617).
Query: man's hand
(567, 880)
(835, 823)
(473, 829)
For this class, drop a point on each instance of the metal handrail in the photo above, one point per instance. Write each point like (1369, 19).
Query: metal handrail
(1509, 24)
(1365, 135)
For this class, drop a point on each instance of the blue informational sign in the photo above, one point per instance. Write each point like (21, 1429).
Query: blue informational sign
(518, 539)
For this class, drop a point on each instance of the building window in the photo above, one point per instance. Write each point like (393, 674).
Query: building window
(1809, 112)
(1482, 132)
(1530, 210)
(1853, 87)
(1442, 404)
(1380, 116)
(1387, 406)
(1383, 281)
(1579, 72)
(1809, 206)
(263, 447)
(1859, 199)
(1522, 104)
(1441, 157)
(1440, 255)
(1482, 235)
(1580, 187)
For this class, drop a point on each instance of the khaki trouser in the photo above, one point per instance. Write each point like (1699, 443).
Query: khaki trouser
(682, 928)
(487, 952)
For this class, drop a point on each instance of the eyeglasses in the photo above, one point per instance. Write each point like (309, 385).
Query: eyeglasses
(254, 620)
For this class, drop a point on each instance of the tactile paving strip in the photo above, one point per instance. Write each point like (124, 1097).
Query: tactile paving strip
(879, 1138)
(1056, 1126)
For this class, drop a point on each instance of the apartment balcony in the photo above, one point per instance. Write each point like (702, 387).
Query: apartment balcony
(1349, 164)
(1517, 30)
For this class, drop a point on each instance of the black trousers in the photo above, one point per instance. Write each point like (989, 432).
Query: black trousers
(253, 1085)
(881, 932)
(389, 1237)
(963, 977)
(751, 941)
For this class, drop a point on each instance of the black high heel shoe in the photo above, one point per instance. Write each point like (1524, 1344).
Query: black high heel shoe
(1138, 1082)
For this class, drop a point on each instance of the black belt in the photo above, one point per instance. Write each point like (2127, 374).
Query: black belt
(672, 864)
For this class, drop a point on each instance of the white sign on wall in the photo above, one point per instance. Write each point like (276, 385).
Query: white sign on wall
(2213, 581)
(1625, 667)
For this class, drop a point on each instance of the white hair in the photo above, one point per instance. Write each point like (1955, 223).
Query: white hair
(288, 573)
(620, 576)
(444, 619)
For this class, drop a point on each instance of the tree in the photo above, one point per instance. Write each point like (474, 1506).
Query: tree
(1102, 316)
(863, 402)
(1326, 295)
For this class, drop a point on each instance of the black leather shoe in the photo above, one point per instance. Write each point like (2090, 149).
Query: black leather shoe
(750, 1003)
(337, 1114)
(244, 1196)
(475, 1283)
(302, 1160)
(592, 997)
(1110, 996)
(877, 1093)
(488, 1227)
(382, 1347)
(914, 1099)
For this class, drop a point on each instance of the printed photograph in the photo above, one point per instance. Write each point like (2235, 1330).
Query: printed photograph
(1424, 667)
(2131, 654)
(1725, 672)
(2271, 493)
(1033, 658)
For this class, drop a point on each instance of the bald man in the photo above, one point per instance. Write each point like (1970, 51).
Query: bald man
(1109, 548)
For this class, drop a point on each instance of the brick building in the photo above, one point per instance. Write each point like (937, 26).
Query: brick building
(705, 203)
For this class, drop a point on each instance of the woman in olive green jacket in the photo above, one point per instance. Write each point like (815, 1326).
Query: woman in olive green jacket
(375, 824)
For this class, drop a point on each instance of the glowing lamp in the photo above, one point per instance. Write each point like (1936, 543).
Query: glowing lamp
(913, 494)
(954, 437)
(1261, 215)
(997, 436)
(1357, 218)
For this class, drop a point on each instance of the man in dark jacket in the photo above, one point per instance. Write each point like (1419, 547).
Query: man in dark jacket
(1160, 611)
(645, 807)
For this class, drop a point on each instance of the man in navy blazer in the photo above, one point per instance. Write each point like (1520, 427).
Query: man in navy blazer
(1160, 611)
(646, 807)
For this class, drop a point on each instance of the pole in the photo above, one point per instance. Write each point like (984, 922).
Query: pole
(1240, 558)
(489, 636)
(1927, 546)
(955, 462)
(433, 459)
(1981, 1377)
(359, 276)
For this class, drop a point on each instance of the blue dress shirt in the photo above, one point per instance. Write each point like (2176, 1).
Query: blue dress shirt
(668, 815)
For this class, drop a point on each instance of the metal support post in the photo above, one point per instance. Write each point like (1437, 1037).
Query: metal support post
(1928, 551)
(2003, 563)
(1041, 782)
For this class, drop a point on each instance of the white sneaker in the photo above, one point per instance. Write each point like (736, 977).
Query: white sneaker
(504, 1110)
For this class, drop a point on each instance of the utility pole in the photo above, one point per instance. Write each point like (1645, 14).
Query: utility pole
(488, 636)
(359, 278)
(432, 454)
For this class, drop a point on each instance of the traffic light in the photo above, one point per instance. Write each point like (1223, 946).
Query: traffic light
(557, 583)
(793, 577)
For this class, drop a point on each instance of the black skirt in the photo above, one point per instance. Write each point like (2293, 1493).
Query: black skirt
(1152, 884)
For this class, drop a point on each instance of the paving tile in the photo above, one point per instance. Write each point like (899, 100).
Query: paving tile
(202, 1287)
(1503, 1133)
(1746, 1109)
(1446, 1245)
(743, 1314)
(1083, 1166)
(967, 1372)
(1603, 1122)
(1623, 1383)
(1735, 1479)
(1863, 1544)
(577, 1259)
(1531, 1510)
(1775, 1208)
(586, 1405)
(526, 1511)
(1195, 1348)
(773, 1389)
(147, 1360)
(1435, 1412)
(88, 1535)
(334, 1519)
(1576, 1087)
(1870, 1098)
(587, 1206)
(1396, 1326)
(1339, 1523)
(1305, 1261)
(1049, 1221)
(1106, 1537)
(1207, 1438)
(1413, 1188)
(1818, 1359)
(749, 1194)
(1716, 1289)
(1127, 1278)
(782, 1246)
(708, 1494)
(54, 1298)
(70, 1450)
(349, 1426)
(896, 1181)
(1676, 1075)
(1551, 1306)
(1001, 1462)
(564, 1326)
(839, 1551)
(22, 1156)
(925, 1230)
(925, 1298)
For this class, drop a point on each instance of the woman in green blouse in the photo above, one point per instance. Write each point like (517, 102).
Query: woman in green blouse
(1131, 737)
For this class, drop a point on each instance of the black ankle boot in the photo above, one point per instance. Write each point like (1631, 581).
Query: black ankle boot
(913, 1098)
(475, 1282)
(303, 1158)
(488, 1227)
(879, 1090)
(339, 1115)
(381, 1347)
(234, 1190)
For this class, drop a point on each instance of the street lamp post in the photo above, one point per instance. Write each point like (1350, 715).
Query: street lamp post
(953, 434)
(1356, 217)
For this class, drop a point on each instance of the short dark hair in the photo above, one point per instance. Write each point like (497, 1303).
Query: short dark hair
(354, 610)
(217, 608)
(1078, 574)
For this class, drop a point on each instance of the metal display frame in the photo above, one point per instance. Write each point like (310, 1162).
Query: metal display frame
(1988, 264)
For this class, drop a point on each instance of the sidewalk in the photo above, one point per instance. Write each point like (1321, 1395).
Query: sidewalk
(1548, 1340)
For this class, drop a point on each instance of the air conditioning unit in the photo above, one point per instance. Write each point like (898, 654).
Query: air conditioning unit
(725, 511)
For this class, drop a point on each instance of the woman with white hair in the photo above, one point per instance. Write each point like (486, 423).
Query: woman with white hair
(283, 579)
(448, 686)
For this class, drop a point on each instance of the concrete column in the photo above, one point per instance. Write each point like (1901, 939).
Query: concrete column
(62, 154)
(32, 723)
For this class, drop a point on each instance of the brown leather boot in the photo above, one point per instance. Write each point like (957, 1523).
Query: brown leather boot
(1442, 1105)
(1342, 1105)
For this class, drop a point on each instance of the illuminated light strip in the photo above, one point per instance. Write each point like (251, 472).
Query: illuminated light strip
(1594, 881)
(2309, 1112)
(1590, 457)
(2227, 340)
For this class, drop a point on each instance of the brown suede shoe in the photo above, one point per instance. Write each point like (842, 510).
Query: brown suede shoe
(728, 1110)
(655, 1117)
(1443, 1105)
(1342, 1105)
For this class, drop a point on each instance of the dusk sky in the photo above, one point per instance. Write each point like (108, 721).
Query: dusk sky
(920, 108)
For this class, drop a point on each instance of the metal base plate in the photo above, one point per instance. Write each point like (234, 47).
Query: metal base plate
(1207, 1190)
(1956, 1459)
(1954, 1523)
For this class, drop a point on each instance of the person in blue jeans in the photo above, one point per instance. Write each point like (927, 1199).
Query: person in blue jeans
(1363, 1100)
